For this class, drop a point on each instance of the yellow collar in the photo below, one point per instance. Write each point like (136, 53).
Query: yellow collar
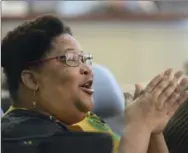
(11, 108)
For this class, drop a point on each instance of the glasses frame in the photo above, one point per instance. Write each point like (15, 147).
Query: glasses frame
(85, 57)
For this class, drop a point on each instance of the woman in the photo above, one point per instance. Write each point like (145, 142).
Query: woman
(50, 80)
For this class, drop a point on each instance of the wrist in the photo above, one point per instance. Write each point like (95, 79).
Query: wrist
(135, 138)
(157, 144)
(138, 126)
(157, 136)
(134, 117)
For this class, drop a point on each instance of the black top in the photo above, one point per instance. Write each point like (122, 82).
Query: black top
(31, 132)
(25, 123)
(176, 132)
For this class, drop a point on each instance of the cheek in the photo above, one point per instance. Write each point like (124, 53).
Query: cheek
(59, 87)
(54, 76)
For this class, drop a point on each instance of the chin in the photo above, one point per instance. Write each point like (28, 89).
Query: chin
(74, 121)
(78, 117)
(88, 105)
(84, 106)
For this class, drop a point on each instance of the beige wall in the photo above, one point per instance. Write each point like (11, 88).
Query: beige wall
(134, 52)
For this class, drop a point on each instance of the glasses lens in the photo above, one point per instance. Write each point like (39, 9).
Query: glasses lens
(74, 59)
(88, 59)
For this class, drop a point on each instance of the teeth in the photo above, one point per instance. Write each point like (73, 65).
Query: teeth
(87, 85)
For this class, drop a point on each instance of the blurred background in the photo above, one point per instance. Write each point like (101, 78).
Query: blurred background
(134, 39)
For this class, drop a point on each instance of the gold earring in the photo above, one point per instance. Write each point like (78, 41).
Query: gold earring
(34, 103)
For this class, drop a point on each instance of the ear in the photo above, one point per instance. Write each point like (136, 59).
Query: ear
(29, 79)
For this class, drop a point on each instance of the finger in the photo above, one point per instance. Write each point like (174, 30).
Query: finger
(173, 98)
(177, 98)
(138, 90)
(128, 97)
(167, 93)
(168, 71)
(178, 74)
(172, 102)
(149, 88)
(156, 80)
(160, 88)
(183, 98)
(178, 104)
(183, 84)
(139, 87)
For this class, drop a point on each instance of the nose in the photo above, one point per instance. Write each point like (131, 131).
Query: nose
(86, 70)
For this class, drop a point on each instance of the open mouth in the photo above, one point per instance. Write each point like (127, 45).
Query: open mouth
(87, 87)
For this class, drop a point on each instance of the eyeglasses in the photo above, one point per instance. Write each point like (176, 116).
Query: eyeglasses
(71, 59)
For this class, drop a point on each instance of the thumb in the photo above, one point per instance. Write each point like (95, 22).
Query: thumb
(138, 91)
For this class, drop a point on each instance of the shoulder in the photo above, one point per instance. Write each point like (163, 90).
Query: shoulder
(22, 123)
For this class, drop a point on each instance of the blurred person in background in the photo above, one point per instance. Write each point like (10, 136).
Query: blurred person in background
(2, 113)
(105, 83)
(5, 97)
(176, 131)
(50, 81)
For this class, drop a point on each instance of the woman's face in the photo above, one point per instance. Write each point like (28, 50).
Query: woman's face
(63, 90)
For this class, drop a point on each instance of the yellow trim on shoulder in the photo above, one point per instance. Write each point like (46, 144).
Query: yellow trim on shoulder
(11, 108)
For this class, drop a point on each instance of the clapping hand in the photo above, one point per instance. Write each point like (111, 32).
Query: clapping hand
(157, 103)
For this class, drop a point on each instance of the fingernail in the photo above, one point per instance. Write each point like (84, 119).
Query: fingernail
(171, 76)
(168, 71)
(137, 86)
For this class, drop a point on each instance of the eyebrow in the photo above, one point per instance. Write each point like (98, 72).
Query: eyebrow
(69, 49)
(72, 49)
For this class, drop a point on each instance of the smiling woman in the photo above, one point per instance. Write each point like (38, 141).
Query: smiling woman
(50, 78)
(59, 63)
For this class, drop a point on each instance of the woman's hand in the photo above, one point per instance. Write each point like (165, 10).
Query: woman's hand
(149, 113)
(157, 144)
(158, 102)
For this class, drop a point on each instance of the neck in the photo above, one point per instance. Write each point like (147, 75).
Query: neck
(30, 107)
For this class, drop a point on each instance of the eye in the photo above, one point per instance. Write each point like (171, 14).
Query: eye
(70, 57)
(61, 58)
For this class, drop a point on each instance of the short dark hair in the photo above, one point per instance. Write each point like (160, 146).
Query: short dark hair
(28, 42)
